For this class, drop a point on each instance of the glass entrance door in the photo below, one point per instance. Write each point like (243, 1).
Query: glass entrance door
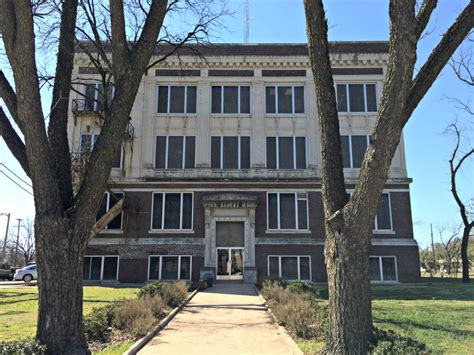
(230, 263)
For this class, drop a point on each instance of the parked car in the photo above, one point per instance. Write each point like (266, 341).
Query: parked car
(27, 274)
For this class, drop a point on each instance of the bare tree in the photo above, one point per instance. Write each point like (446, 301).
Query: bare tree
(450, 248)
(457, 160)
(26, 245)
(122, 45)
(348, 221)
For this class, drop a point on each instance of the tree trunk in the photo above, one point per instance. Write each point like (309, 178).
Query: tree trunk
(350, 309)
(464, 255)
(61, 253)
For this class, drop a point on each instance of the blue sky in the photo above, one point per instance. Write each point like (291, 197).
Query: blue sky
(427, 147)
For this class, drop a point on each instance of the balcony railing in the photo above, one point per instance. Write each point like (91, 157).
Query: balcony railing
(86, 106)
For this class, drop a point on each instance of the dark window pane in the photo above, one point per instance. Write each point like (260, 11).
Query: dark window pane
(374, 269)
(287, 211)
(272, 211)
(86, 144)
(383, 213)
(284, 99)
(117, 221)
(162, 99)
(341, 97)
(175, 152)
(274, 267)
(215, 152)
(185, 270)
(230, 151)
(89, 100)
(160, 153)
(356, 97)
(270, 99)
(271, 153)
(289, 268)
(172, 211)
(118, 158)
(157, 211)
(300, 152)
(110, 268)
(191, 99)
(359, 146)
(245, 99)
(304, 268)
(245, 152)
(388, 269)
(86, 268)
(189, 159)
(96, 264)
(216, 99)
(346, 157)
(169, 268)
(177, 99)
(102, 208)
(299, 99)
(371, 98)
(154, 272)
(231, 100)
(285, 153)
(187, 211)
(302, 214)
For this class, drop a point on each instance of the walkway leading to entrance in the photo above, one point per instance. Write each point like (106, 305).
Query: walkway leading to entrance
(228, 318)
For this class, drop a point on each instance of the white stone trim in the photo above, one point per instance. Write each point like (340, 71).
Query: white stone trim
(147, 241)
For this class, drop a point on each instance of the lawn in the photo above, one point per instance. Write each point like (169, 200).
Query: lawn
(437, 313)
(19, 306)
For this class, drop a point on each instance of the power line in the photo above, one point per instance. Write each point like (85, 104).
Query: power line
(10, 170)
(17, 184)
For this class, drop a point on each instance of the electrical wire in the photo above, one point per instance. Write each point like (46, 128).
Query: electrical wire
(25, 182)
(16, 183)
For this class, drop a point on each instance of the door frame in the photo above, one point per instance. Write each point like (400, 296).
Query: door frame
(229, 276)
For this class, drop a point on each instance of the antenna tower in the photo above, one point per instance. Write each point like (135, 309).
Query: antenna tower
(246, 21)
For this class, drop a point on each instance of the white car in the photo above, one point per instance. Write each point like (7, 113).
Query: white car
(27, 274)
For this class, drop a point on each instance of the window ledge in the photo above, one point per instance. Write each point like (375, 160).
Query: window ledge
(219, 115)
(273, 115)
(176, 115)
(171, 231)
(287, 231)
(383, 282)
(383, 231)
(111, 231)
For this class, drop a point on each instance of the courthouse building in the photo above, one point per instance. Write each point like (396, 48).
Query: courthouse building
(220, 167)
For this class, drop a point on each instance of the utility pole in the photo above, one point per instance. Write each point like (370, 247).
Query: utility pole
(4, 248)
(432, 247)
(17, 240)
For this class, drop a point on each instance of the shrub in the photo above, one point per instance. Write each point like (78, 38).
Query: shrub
(389, 342)
(172, 293)
(22, 347)
(97, 324)
(299, 287)
(153, 289)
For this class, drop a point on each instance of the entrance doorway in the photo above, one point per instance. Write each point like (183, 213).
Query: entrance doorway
(230, 263)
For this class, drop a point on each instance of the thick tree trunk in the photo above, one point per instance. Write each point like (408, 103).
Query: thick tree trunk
(60, 288)
(464, 255)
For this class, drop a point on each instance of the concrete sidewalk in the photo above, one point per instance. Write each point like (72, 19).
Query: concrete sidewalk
(227, 318)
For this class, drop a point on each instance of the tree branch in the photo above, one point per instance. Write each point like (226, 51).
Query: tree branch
(119, 42)
(9, 97)
(13, 141)
(424, 15)
(107, 218)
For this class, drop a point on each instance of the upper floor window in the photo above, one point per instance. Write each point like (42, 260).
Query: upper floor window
(172, 210)
(231, 152)
(88, 141)
(287, 211)
(175, 152)
(286, 153)
(383, 218)
(108, 202)
(177, 99)
(356, 98)
(353, 150)
(94, 97)
(230, 99)
(284, 99)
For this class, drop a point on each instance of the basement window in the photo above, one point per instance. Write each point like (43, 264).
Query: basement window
(100, 268)
(288, 267)
(383, 269)
(169, 267)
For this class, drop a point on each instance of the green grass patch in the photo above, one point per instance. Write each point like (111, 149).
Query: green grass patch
(19, 307)
(115, 349)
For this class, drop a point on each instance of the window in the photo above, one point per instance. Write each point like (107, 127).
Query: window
(177, 99)
(100, 268)
(171, 210)
(287, 211)
(356, 98)
(236, 99)
(286, 153)
(284, 99)
(108, 202)
(88, 141)
(383, 218)
(383, 269)
(169, 267)
(94, 97)
(289, 267)
(353, 150)
(231, 152)
(175, 152)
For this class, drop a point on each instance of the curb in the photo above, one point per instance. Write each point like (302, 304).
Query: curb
(140, 343)
(288, 339)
